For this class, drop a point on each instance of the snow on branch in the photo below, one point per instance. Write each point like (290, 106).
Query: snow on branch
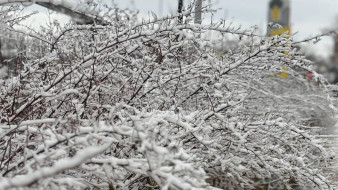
(153, 104)
(59, 166)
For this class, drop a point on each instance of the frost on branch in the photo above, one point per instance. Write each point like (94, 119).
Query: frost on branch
(151, 104)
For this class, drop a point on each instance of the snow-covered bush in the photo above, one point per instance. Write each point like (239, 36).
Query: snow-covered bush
(150, 104)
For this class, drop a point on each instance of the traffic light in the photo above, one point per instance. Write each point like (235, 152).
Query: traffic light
(279, 13)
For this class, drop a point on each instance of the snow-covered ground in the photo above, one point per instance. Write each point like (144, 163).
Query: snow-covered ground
(331, 136)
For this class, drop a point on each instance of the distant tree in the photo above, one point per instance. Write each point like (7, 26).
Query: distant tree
(150, 104)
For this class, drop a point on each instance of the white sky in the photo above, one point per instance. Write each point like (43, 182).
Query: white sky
(308, 17)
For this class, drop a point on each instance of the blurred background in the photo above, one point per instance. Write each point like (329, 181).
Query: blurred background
(306, 19)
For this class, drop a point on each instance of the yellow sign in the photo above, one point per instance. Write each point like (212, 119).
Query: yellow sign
(280, 31)
(275, 13)
(284, 75)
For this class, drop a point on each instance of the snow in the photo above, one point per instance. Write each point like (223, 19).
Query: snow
(113, 106)
(59, 166)
(3, 72)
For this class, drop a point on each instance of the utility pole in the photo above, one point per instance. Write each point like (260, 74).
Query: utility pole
(198, 12)
(179, 10)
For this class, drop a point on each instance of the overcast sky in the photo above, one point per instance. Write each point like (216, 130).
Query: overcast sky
(308, 17)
